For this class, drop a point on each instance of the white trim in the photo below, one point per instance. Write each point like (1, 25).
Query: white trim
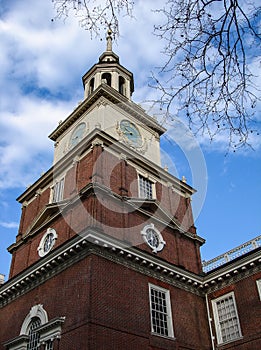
(153, 185)
(161, 243)
(47, 331)
(9, 290)
(258, 284)
(51, 330)
(169, 313)
(40, 249)
(217, 318)
(57, 196)
(18, 343)
(36, 311)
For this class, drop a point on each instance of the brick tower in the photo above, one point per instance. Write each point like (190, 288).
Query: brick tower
(107, 255)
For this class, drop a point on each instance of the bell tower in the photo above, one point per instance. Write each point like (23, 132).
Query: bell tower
(107, 106)
(109, 71)
(107, 253)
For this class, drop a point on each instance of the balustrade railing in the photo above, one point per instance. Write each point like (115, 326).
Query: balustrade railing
(231, 254)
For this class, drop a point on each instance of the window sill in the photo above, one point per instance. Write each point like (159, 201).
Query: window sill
(219, 345)
(163, 336)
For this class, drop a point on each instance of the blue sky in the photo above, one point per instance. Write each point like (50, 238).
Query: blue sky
(41, 65)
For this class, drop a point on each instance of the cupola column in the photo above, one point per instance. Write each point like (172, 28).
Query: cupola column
(115, 80)
(108, 71)
(97, 80)
(128, 89)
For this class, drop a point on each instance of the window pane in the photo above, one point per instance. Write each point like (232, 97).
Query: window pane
(145, 187)
(227, 318)
(58, 191)
(159, 312)
(33, 334)
(49, 345)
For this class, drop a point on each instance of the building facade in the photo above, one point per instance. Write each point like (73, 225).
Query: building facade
(107, 255)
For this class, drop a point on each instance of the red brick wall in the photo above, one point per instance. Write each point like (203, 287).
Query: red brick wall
(91, 211)
(33, 209)
(129, 311)
(106, 306)
(66, 294)
(109, 214)
(249, 312)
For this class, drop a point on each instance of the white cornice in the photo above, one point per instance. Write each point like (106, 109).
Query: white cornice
(94, 242)
(233, 271)
(113, 96)
(117, 147)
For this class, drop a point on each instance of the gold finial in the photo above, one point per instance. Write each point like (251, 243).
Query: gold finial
(109, 39)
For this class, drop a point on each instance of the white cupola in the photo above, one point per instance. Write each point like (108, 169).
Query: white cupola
(108, 71)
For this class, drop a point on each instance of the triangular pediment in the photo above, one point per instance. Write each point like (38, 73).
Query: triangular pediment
(152, 207)
(45, 216)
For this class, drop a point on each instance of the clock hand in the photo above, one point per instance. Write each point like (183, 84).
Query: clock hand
(127, 130)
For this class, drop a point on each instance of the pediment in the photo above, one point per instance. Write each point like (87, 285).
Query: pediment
(152, 207)
(47, 214)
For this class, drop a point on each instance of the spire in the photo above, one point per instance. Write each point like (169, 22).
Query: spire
(109, 40)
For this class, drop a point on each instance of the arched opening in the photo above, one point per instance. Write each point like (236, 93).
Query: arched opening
(122, 86)
(106, 78)
(91, 86)
(37, 311)
(33, 342)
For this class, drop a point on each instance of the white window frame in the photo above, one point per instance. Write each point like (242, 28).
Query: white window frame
(48, 331)
(258, 285)
(34, 337)
(57, 190)
(36, 311)
(142, 177)
(218, 322)
(168, 313)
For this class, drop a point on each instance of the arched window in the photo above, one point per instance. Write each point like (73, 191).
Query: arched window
(36, 312)
(37, 331)
(33, 342)
(122, 86)
(106, 78)
(91, 86)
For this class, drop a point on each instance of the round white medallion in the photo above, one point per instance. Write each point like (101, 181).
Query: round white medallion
(47, 242)
(153, 238)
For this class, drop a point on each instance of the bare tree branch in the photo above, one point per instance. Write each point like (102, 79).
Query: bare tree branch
(211, 47)
(94, 15)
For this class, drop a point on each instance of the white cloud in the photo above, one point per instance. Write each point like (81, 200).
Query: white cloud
(9, 224)
(24, 146)
(38, 54)
(41, 67)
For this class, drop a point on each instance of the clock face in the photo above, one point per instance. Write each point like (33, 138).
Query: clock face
(153, 238)
(77, 135)
(131, 132)
(47, 242)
